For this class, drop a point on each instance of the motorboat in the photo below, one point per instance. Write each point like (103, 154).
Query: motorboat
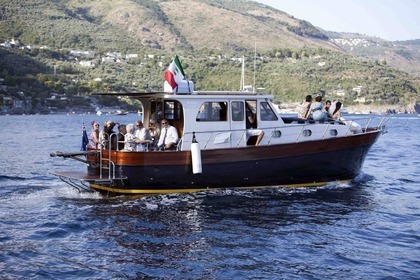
(216, 150)
(121, 113)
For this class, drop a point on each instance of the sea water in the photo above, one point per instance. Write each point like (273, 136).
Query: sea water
(366, 229)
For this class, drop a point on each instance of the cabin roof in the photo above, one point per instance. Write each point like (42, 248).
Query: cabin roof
(204, 95)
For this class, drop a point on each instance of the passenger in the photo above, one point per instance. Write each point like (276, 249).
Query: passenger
(336, 115)
(131, 141)
(251, 124)
(106, 133)
(94, 135)
(143, 134)
(317, 111)
(154, 129)
(327, 109)
(122, 130)
(304, 108)
(168, 136)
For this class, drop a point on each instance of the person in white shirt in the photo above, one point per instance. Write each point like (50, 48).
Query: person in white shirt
(168, 135)
(143, 134)
(131, 141)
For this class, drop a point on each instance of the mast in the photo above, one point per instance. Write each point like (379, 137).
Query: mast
(242, 86)
(255, 60)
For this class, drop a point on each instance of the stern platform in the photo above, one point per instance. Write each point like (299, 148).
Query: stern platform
(80, 180)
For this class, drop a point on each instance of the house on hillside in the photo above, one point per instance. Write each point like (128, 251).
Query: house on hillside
(107, 59)
(358, 89)
(131, 55)
(86, 63)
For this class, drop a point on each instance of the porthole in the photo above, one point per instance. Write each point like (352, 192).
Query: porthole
(333, 132)
(307, 132)
(276, 134)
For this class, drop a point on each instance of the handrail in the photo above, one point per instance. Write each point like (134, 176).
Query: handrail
(111, 164)
(308, 124)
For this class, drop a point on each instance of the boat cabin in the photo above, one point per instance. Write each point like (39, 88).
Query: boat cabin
(219, 119)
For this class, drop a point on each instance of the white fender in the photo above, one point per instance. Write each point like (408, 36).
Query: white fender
(196, 158)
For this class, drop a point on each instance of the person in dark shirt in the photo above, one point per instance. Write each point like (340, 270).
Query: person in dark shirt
(106, 134)
(251, 125)
(120, 136)
(327, 109)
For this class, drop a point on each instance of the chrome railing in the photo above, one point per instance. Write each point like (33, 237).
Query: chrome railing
(287, 131)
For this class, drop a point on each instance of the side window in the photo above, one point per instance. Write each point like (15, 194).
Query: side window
(212, 111)
(173, 110)
(267, 113)
(237, 111)
(156, 110)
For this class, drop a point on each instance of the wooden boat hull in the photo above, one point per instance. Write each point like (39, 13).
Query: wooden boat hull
(309, 163)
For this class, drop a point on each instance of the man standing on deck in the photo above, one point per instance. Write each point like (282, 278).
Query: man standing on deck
(168, 136)
(251, 124)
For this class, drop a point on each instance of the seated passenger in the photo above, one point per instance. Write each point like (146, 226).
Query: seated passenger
(250, 124)
(336, 114)
(303, 110)
(168, 136)
(317, 111)
(327, 109)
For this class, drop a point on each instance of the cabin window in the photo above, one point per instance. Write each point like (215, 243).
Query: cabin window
(173, 110)
(267, 113)
(307, 132)
(212, 112)
(333, 132)
(276, 133)
(237, 111)
(156, 110)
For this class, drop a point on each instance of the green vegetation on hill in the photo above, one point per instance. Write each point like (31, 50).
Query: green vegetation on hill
(294, 58)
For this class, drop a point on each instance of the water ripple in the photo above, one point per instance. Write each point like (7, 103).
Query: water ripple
(365, 229)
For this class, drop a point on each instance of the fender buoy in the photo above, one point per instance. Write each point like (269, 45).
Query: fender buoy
(196, 156)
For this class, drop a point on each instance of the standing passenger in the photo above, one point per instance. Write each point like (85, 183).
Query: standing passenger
(251, 124)
(131, 141)
(143, 134)
(154, 129)
(122, 130)
(168, 136)
(94, 135)
(106, 133)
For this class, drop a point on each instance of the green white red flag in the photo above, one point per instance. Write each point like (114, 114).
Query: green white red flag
(174, 74)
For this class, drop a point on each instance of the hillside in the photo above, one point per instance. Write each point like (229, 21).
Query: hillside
(75, 47)
(134, 24)
(404, 55)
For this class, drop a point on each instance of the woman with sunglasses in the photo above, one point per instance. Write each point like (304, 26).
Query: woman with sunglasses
(94, 135)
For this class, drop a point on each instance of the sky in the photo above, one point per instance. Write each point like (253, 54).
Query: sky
(393, 20)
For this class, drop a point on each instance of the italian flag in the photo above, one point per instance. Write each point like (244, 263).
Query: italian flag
(174, 74)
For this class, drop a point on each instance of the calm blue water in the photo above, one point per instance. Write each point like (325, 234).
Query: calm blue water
(367, 229)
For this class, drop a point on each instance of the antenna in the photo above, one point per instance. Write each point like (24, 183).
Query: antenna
(242, 86)
(255, 60)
